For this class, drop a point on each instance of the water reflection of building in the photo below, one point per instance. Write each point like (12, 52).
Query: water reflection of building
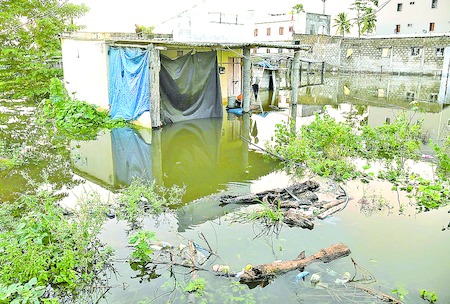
(204, 155)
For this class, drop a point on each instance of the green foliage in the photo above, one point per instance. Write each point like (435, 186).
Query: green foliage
(365, 15)
(324, 146)
(40, 245)
(298, 8)
(328, 149)
(143, 197)
(141, 29)
(141, 244)
(198, 286)
(342, 24)
(443, 157)
(431, 195)
(9, 157)
(74, 118)
(401, 292)
(429, 296)
(395, 142)
(18, 293)
(30, 47)
(240, 294)
(267, 213)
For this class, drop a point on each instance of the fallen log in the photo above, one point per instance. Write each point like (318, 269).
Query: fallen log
(294, 217)
(292, 191)
(332, 204)
(329, 211)
(266, 272)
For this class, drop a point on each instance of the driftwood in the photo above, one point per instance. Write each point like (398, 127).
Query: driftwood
(330, 211)
(379, 294)
(290, 192)
(294, 217)
(297, 203)
(266, 272)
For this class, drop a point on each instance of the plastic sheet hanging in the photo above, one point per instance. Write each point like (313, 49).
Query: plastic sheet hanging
(190, 87)
(129, 82)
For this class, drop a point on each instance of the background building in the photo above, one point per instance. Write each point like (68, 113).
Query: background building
(414, 17)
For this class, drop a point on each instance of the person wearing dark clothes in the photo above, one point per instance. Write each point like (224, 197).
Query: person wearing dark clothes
(255, 87)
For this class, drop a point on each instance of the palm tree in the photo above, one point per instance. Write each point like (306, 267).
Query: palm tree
(342, 24)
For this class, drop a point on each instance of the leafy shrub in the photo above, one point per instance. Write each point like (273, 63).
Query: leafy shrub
(76, 119)
(39, 244)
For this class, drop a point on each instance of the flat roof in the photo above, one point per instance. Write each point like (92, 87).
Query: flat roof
(164, 40)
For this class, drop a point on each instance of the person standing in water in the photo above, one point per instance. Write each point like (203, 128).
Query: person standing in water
(255, 87)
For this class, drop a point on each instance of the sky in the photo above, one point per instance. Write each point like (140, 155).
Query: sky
(122, 15)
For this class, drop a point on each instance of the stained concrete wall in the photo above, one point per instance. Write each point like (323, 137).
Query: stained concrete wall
(412, 55)
(85, 66)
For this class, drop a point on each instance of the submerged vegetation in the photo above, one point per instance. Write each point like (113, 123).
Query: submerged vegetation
(144, 198)
(74, 118)
(329, 148)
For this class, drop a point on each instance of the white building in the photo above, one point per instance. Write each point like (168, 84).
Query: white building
(414, 17)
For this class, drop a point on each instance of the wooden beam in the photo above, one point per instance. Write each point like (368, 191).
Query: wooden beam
(295, 77)
(155, 97)
(246, 80)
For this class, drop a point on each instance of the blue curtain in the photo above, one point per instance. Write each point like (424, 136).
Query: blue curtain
(129, 82)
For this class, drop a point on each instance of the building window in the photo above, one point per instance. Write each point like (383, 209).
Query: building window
(434, 97)
(268, 31)
(291, 29)
(411, 3)
(255, 32)
(267, 51)
(440, 51)
(410, 96)
(431, 26)
(387, 120)
(179, 53)
(281, 30)
(399, 7)
(415, 51)
(385, 52)
(397, 28)
(280, 50)
(434, 3)
(409, 24)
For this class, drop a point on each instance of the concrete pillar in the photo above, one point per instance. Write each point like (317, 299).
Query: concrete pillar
(155, 98)
(295, 82)
(246, 81)
(444, 90)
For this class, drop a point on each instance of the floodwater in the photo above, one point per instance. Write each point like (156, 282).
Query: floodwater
(406, 251)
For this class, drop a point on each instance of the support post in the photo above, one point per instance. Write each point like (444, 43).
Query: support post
(323, 72)
(295, 77)
(246, 80)
(155, 100)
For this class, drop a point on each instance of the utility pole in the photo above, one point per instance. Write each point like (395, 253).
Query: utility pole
(324, 6)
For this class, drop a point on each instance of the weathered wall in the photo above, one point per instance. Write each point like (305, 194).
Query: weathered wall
(85, 66)
(378, 54)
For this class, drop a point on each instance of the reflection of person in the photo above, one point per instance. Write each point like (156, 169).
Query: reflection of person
(255, 87)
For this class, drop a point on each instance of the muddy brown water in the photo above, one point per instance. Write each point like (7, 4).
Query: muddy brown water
(405, 251)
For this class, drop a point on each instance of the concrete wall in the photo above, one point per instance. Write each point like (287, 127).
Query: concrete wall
(85, 66)
(379, 54)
